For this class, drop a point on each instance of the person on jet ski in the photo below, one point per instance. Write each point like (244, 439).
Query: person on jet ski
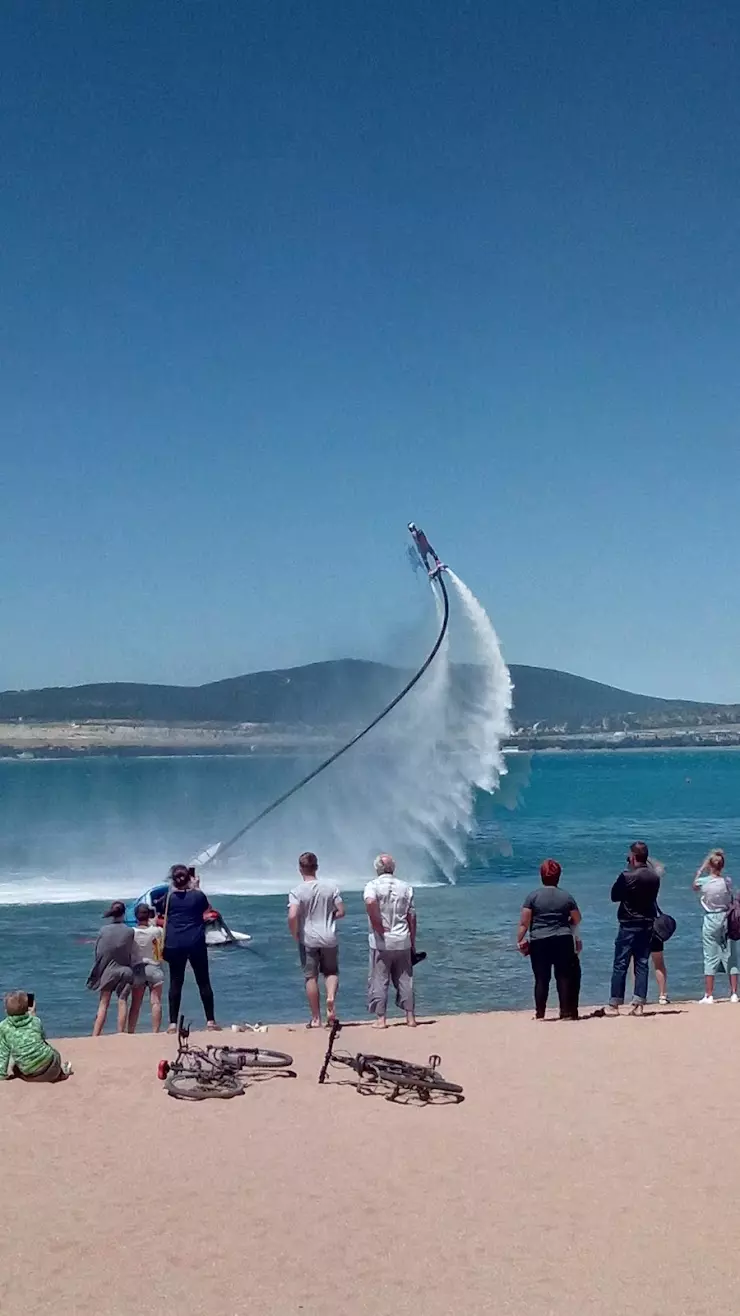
(188, 881)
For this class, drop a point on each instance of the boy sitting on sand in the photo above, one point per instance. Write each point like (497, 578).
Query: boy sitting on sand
(22, 1040)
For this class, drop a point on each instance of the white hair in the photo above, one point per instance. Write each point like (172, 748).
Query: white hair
(385, 863)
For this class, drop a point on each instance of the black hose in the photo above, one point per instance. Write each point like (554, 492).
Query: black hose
(338, 754)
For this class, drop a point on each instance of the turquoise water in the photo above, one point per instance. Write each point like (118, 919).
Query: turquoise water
(75, 833)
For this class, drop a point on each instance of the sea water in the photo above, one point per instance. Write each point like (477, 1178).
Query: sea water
(77, 833)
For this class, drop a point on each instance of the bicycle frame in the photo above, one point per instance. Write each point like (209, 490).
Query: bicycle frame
(369, 1065)
(215, 1060)
(334, 1030)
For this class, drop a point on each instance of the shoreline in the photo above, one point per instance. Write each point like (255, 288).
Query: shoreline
(236, 1036)
(68, 753)
(396, 1023)
(30, 741)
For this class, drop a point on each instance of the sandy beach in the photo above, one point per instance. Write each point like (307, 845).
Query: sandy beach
(591, 1168)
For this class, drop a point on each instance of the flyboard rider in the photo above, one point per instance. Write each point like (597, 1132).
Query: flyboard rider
(425, 550)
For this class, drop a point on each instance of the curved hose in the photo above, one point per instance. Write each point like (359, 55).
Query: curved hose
(226, 845)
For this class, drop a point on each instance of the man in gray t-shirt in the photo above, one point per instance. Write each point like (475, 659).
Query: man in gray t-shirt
(313, 909)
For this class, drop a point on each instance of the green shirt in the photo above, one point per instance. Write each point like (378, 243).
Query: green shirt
(22, 1040)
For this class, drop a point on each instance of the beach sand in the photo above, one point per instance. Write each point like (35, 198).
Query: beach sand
(592, 1168)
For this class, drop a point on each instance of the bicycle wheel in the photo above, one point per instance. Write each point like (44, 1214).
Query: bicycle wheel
(406, 1079)
(191, 1086)
(402, 1066)
(251, 1057)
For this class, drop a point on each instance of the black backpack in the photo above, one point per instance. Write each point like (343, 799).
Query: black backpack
(733, 920)
(665, 926)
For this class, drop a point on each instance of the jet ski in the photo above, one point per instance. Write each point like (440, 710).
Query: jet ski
(217, 931)
(218, 934)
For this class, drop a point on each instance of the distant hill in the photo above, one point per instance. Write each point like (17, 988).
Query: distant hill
(343, 692)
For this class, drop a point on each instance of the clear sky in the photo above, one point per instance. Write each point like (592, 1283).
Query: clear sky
(279, 276)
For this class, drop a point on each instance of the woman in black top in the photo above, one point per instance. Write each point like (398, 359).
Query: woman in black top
(546, 933)
(185, 941)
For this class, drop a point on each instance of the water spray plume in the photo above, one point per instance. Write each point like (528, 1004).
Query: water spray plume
(442, 745)
(449, 747)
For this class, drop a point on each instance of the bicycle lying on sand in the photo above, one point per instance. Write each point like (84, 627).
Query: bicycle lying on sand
(377, 1072)
(216, 1071)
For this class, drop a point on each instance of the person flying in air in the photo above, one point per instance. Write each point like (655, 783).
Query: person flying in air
(425, 550)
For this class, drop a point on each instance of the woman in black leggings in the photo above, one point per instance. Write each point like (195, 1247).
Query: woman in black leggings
(185, 942)
(548, 933)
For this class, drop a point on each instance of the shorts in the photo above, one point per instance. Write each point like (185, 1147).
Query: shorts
(319, 959)
(656, 945)
(145, 975)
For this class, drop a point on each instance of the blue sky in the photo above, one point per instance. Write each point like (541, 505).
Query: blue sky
(279, 277)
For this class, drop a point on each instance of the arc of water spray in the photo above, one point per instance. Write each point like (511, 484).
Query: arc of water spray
(437, 583)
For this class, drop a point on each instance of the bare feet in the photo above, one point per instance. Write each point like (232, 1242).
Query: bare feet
(380, 1023)
(611, 1010)
(637, 1008)
(213, 1027)
(410, 1021)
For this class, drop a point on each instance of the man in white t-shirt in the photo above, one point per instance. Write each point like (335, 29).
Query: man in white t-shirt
(390, 910)
(313, 910)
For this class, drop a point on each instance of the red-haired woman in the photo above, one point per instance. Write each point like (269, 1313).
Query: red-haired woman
(547, 933)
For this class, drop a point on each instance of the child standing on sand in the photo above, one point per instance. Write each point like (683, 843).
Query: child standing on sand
(147, 966)
(22, 1040)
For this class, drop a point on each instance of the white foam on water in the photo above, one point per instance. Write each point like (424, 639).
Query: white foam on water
(54, 890)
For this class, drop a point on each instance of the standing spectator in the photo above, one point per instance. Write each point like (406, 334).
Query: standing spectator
(112, 970)
(636, 891)
(185, 943)
(546, 933)
(657, 955)
(392, 916)
(657, 952)
(313, 909)
(715, 891)
(147, 966)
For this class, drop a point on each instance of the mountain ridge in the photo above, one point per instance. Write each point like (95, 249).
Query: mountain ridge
(344, 691)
